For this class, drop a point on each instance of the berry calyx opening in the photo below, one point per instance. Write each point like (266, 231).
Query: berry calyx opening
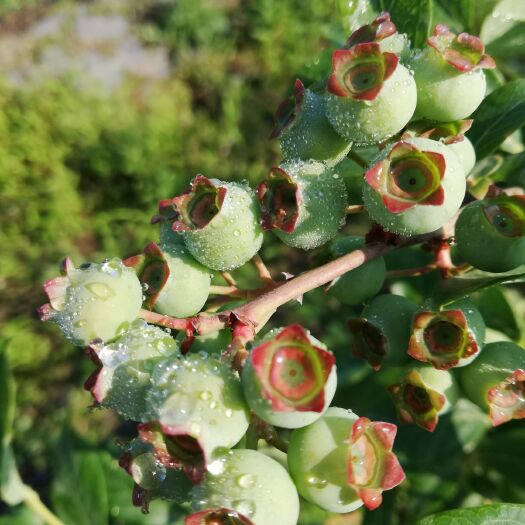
(464, 52)
(288, 110)
(445, 132)
(280, 198)
(196, 208)
(372, 466)
(506, 214)
(152, 270)
(415, 402)
(217, 517)
(292, 371)
(408, 177)
(360, 72)
(507, 399)
(368, 342)
(382, 27)
(441, 338)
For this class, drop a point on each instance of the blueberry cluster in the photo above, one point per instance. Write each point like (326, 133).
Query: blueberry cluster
(237, 425)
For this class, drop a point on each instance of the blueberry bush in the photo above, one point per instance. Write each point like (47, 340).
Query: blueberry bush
(394, 392)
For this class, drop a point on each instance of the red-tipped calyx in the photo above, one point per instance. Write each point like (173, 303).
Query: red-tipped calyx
(416, 403)
(408, 177)
(289, 109)
(442, 338)
(381, 28)
(464, 52)
(194, 209)
(292, 371)
(56, 291)
(445, 132)
(507, 399)
(372, 466)
(152, 270)
(280, 198)
(368, 342)
(217, 517)
(174, 447)
(360, 72)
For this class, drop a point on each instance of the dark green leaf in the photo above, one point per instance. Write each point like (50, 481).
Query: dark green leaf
(498, 514)
(470, 424)
(80, 494)
(449, 290)
(11, 486)
(468, 13)
(499, 115)
(21, 516)
(497, 311)
(511, 170)
(511, 44)
(413, 18)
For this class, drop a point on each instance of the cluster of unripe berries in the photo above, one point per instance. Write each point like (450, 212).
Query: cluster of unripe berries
(206, 430)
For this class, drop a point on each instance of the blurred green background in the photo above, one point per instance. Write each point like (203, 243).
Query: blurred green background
(108, 106)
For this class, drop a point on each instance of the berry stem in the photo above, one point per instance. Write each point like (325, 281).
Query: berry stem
(163, 320)
(228, 277)
(358, 159)
(264, 274)
(410, 272)
(355, 208)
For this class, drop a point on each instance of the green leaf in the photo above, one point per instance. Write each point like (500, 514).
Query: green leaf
(499, 514)
(499, 115)
(11, 486)
(79, 492)
(449, 290)
(497, 311)
(469, 13)
(470, 424)
(21, 516)
(511, 170)
(412, 18)
(511, 44)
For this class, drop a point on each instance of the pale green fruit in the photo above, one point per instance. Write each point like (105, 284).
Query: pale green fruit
(466, 154)
(251, 483)
(187, 287)
(444, 93)
(420, 218)
(365, 122)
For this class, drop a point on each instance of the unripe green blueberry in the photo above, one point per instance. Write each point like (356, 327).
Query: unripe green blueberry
(382, 332)
(465, 153)
(200, 399)
(448, 338)
(123, 377)
(304, 203)
(415, 188)
(212, 343)
(372, 96)
(289, 379)
(342, 461)
(490, 233)
(153, 480)
(423, 395)
(449, 76)
(251, 483)
(495, 381)
(360, 284)
(187, 287)
(304, 131)
(95, 301)
(219, 222)
(174, 283)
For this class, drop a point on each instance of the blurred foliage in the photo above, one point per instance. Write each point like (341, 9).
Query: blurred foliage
(81, 171)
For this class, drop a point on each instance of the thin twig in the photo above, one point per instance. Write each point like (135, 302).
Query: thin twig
(264, 274)
(228, 277)
(358, 159)
(33, 501)
(410, 272)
